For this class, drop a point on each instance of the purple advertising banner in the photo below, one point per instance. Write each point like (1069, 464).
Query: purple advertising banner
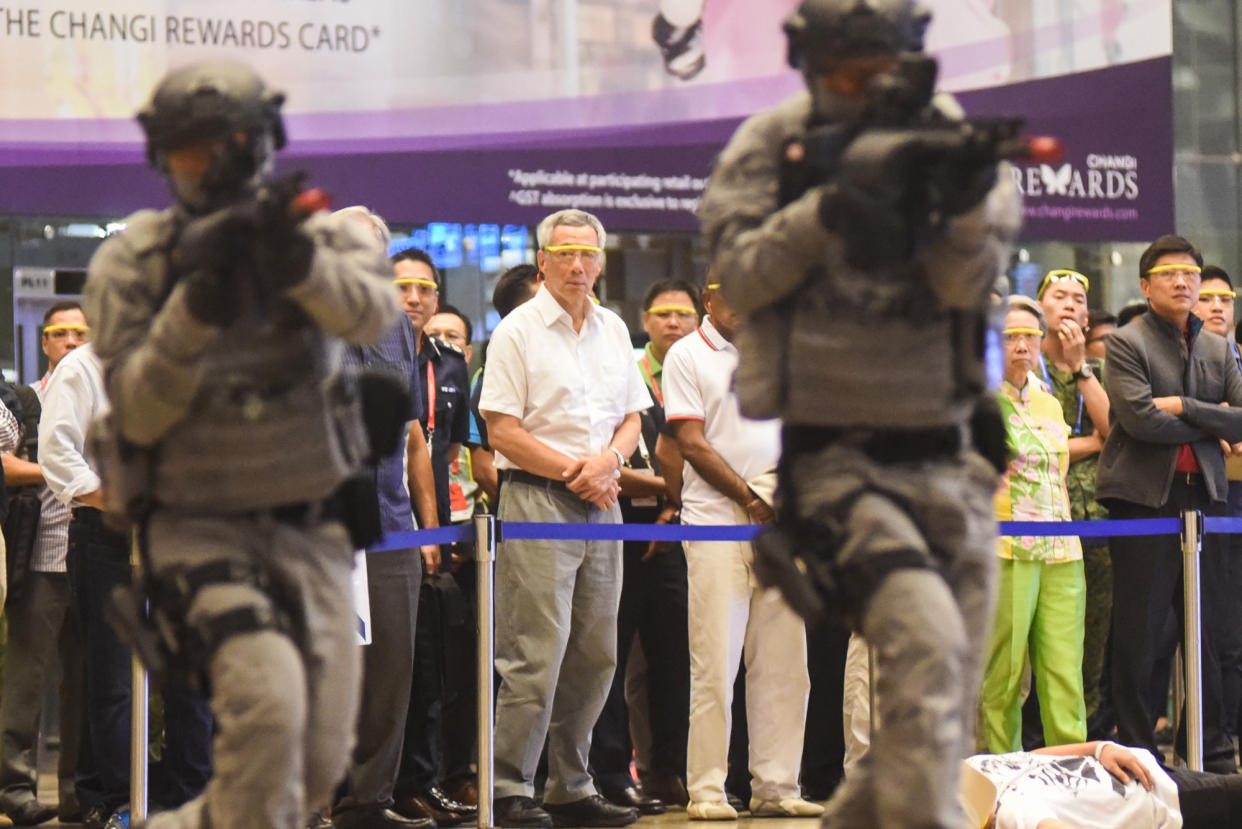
(1116, 180)
(1115, 183)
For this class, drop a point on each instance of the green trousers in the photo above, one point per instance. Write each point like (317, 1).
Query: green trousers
(1039, 611)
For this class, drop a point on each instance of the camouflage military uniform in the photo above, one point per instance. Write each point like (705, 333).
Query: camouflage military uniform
(865, 355)
(248, 436)
(1083, 507)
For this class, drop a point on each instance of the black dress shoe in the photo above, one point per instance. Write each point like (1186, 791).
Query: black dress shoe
(520, 812)
(30, 813)
(665, 786)
(377, 817)
(736, 802)
(589, 812)
(635, 799)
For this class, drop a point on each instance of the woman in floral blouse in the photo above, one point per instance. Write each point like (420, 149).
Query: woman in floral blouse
(1042, 589)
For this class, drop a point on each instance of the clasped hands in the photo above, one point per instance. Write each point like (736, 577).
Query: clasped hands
(595, 479)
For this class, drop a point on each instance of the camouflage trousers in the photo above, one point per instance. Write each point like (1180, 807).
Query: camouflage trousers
(1098, 567)
(928, 626)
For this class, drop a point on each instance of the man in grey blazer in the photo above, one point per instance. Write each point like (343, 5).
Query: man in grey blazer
(1168, 385)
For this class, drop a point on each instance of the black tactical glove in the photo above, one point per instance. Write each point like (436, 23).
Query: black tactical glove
(283, 252)
(872, 222)
(206, 258)
(970, 185)
(283, 257)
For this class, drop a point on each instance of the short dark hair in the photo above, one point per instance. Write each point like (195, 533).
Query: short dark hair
(446, 308)
(1098, 316)
(1128, 313)
(1165, 245)
(1215, 272)
(666, 286)
(62, 305)
(514, 287)
(416, 255)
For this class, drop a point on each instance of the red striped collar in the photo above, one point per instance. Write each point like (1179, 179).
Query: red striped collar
(712, 337)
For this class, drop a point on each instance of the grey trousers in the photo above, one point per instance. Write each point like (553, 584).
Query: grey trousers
(285, 706)
(928, 628)
(556, 642)
(41, 632)
(393, 580)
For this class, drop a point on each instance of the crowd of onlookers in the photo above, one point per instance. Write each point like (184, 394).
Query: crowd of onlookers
(1126, 416)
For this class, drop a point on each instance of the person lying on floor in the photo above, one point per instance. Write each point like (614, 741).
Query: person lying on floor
(1096, 785)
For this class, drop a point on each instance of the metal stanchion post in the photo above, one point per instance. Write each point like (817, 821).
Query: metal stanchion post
(138, 738)
(1192, 536)
(485, 558)
(870, 692)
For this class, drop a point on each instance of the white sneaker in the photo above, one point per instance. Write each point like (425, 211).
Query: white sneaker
(785, 807)
(711, 810)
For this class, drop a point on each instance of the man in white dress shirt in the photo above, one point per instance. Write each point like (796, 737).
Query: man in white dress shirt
(561, 399)
(729, 479)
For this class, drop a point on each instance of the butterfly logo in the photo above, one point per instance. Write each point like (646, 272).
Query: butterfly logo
(1056, 182)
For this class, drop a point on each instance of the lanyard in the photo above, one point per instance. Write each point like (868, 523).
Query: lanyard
(652, 383)
(431, 402)
(1043, 363)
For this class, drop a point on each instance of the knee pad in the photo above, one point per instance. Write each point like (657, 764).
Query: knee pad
(860, 578)
(914, 608)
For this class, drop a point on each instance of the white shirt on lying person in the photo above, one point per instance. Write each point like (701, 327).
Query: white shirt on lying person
(1077, 790)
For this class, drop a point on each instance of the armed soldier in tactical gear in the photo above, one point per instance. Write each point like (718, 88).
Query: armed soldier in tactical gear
(234, 439)
(858, 228)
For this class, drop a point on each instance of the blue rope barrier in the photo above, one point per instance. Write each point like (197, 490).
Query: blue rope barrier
(527, 530)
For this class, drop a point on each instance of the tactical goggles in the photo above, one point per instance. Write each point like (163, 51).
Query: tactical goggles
(1223, 293)
(682, 310)
(712, 286)
(1062, 275)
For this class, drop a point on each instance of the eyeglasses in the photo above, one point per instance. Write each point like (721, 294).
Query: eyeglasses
(1171, 272)
(566, 254)
(1027, 335)
(1062, 276)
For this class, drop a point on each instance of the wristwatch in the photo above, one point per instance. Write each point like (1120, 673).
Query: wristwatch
(620, 457)
(1084, 373)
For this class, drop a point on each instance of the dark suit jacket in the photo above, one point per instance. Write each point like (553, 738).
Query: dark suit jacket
(1149, 358)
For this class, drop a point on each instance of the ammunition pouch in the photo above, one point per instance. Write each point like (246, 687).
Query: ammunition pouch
(988, 433)
(385, 398)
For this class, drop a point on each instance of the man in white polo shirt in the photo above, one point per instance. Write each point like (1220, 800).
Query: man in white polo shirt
(729, 480)
(561, 398)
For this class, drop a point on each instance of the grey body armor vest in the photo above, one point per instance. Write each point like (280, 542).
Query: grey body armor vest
(275, 421)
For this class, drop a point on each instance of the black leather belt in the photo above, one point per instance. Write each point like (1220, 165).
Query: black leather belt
(523, 477)
(881, 445)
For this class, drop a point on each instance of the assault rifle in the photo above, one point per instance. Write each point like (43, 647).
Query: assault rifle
(897, 174)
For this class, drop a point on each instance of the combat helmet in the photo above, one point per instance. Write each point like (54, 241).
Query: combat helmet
(822, 30)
